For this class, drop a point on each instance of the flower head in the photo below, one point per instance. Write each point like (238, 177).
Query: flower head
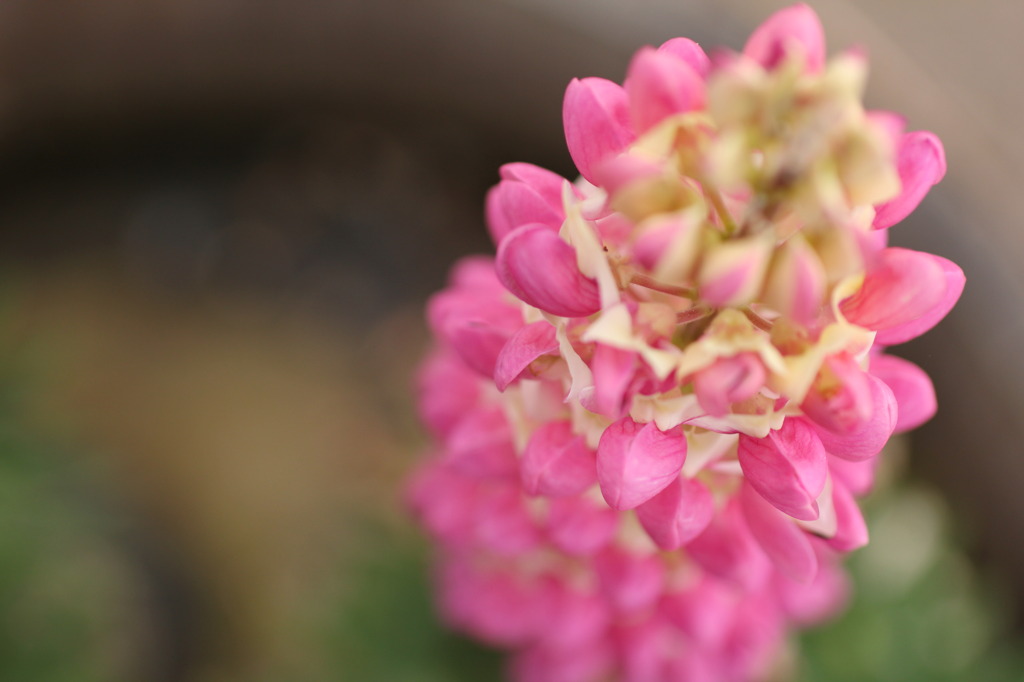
(654, 409)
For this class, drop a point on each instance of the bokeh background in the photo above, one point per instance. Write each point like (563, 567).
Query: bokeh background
(220, 221)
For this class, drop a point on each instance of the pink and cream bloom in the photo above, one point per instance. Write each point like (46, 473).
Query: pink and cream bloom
(654, 410)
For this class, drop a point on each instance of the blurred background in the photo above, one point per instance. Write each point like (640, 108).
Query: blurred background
(220, 222)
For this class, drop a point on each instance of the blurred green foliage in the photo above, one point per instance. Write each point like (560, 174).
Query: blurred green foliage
(386, 629)
(64, 588)
(921, 612)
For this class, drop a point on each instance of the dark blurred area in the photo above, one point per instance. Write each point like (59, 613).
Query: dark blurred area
(220, 221)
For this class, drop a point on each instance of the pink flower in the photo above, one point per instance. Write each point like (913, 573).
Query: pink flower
(527, 194)
(654, 411)
(540, 268)
(635, 462)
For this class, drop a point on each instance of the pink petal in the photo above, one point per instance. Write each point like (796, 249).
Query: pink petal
(912, 388)
(613, 370)
(476, 342)
(641, 647)
(911, 329)
(581, 663)
(579, 527)
(446, 391)
(782, 540)
(659, 85)
(444, 502)
(507, 613)
(851, 531)
(617, 172)
(502, 522)
(456, 586)
(511, 204)
(726, 549)
(755, 640)
(614, 229)
(695, 666)
(556, 462)
(637, 461)
(547, 184)
(499, 608)
(727, 381)
(475, 274)
(630, 581)
(856, 476)
(871, 244)
(819, 601)
(536, 265)
(654, 242)
(796, 282)
(704, 612)
(921, 162)
(793, 29)
(787, 467)
(903, 287)
(840, 398)
(595, 114)
(475, 325)
(733, 272)
(527, 194)
(890, 124)
(481, 445)
(678, 513)
(525, 346)
(869, 440)
(690, 52)
(572, 616)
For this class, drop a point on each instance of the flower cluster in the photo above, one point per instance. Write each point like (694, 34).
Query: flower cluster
(655, 408)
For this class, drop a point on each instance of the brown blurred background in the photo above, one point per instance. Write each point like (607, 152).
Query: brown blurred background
(221, 220)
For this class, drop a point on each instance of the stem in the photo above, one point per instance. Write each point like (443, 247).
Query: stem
(651, 283)
(716, 200)
(692, 315)
(758, 321)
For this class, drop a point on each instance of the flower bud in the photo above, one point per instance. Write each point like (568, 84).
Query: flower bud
(904, 295)
(521, 350)
(732, 272)
(788, 468)
(783, 541)
(659, 84)
(677, 514)
(921, 163)
(556, 462)
(637, 461)
(540, 268)
(840, 398)
(793, 31)
(728, 380)
(795, 285)
(912, 388)
(526, 194)
(596, 117)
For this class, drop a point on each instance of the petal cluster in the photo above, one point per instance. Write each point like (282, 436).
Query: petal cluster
(654, 409)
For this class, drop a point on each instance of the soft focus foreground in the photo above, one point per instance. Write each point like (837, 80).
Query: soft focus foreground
(221, 221)
(655, 409)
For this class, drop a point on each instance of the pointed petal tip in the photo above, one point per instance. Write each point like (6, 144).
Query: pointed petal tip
(788, 468)
(921, 163)
(659, 84)
(637, 461)
(793, 28)
(540, 268)
(595, 115)
(677, 514)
